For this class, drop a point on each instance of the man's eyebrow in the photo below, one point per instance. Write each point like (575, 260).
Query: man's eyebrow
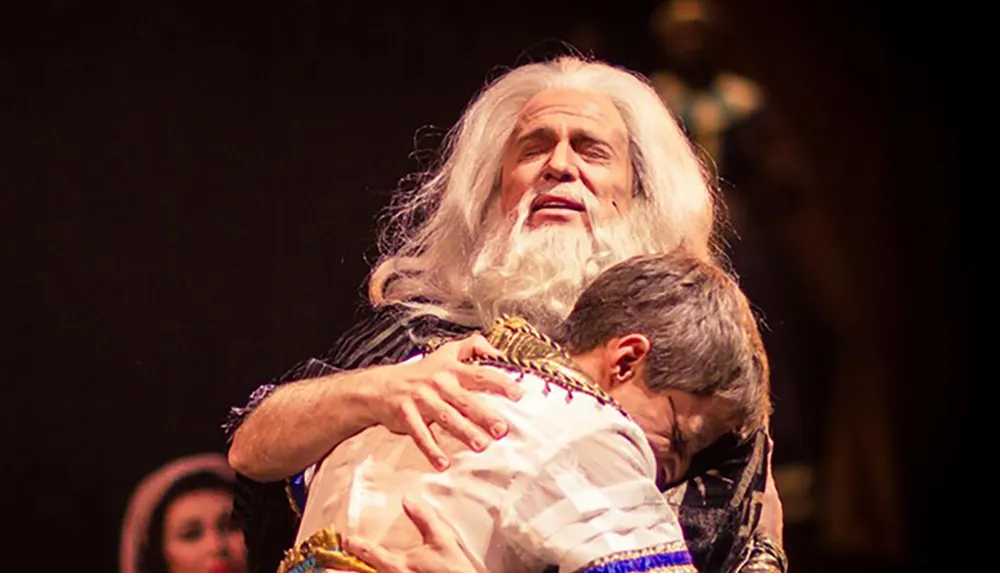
(587, 135)
(539, 133)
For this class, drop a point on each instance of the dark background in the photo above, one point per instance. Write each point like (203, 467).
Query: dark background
(189, 196)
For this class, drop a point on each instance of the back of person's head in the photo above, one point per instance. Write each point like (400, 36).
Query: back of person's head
(702, 332)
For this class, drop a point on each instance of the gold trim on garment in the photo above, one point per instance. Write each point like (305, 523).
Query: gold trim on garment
(523, 348)
(291, 498)
(323, 550)
(764, 555)
(636, 554)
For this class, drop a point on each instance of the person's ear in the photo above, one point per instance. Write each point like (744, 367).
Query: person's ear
(628, 353)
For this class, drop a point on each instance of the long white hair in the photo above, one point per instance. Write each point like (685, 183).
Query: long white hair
(437, 238)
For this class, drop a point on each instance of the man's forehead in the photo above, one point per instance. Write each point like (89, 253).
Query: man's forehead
(570, 109)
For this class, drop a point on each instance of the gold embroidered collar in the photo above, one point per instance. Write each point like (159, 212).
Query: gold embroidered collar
(523, 348)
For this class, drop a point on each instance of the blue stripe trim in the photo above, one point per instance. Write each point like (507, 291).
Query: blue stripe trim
(640, 564)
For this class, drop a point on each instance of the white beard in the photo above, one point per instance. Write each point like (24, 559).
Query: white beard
(539, 273)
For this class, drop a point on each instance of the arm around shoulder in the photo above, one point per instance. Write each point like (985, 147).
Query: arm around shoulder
(301, 422)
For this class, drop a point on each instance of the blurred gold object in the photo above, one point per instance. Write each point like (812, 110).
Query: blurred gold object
(764, 556)
(674, 12)
(323, 550)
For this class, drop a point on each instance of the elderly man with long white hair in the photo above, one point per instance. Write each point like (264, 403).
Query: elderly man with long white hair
(555, 172)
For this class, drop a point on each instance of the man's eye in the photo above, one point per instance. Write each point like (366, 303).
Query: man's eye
(595, 152)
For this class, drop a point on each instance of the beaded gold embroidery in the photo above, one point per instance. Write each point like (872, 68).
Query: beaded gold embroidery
(524, 349)
(323, 550)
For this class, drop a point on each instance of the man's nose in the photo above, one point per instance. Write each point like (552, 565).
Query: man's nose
(561, 166)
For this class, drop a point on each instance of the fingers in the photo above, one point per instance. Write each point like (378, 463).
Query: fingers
(475, 345)
(432, 529)
(483, 379)
(451, 420)
(471, 406)
(382, 560)
(443, 392)
(422, 435)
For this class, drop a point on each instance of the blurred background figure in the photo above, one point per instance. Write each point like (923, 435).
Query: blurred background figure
(693, 81)
(832, 457)
(179, 520)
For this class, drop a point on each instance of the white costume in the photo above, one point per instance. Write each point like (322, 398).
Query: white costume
(572, 485)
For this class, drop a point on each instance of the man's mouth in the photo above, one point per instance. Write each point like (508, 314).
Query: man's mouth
(555, 202)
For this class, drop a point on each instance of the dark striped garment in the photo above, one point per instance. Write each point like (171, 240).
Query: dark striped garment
(721, 500)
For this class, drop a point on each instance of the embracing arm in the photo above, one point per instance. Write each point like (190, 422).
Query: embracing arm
(299, 423)
(765, 553)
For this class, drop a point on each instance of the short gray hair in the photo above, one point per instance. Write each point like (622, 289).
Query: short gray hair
(703, 335)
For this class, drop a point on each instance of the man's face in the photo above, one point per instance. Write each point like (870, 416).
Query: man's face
(566, 143)
(677, 425)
